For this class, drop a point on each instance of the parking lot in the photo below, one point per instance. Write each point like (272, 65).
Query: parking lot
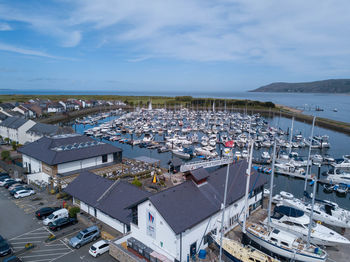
(19, 226)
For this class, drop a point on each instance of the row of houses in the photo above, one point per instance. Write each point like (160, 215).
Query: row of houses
(24, 131)
(37, 107)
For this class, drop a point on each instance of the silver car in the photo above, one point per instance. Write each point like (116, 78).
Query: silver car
(85, 236)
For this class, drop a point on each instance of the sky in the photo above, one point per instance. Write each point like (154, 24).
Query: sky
(185, 46)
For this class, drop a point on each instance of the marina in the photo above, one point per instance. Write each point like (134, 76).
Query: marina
(213, 139)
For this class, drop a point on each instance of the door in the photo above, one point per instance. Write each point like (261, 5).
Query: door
(193, 249)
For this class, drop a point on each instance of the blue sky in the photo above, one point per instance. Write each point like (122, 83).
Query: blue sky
(176, 46)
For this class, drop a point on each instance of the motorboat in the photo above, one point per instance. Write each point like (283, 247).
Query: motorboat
(344, 164)
(265, 155)
(322, 211)
(297, 222)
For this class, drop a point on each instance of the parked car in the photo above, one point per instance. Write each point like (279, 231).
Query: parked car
(4, 181)
(10, 183)
(85, 236)
(44, 212)
(5, 248)
(99, 248)
(4, 175)
(56, 215)
(16, 189)
(15, 185)
(62, 222)
(24, 193)
(12, 259)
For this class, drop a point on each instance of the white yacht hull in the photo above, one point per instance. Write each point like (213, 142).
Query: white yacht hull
(282, 251)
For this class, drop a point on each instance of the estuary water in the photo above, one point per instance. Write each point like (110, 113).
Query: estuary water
(334, 106)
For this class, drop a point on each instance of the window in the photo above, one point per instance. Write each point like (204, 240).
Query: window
(104, 158)
(284, 243)
(273, 239)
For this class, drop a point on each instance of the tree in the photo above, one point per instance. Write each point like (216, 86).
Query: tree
(73, 211)
(14, 145)
(7, 140)
(5, 155)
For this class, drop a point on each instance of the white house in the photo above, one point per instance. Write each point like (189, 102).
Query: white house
(15, 128)
(177, 222)
(50, 158)
(105, 199)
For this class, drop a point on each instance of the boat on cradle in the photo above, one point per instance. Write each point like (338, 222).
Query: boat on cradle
(284, 244)
(239, 253)
(296, 222)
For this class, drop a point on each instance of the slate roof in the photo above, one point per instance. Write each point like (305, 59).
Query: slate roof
(187, 204)
(46, 149)
(199, 173)
(110, 197)
(3, 116)
(44, 129)
(88, 187)
(13, 122)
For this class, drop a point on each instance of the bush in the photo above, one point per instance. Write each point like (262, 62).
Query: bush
(14, 145)
(5, 155)
(136, 182)
(73, 211)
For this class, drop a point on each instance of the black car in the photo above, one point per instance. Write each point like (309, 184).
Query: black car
(45, 212)
(5, 248)
(4, 175)
(10, 183)
(13, 191)
(62, 222)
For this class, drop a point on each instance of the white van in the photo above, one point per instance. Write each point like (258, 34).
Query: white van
(61, 213)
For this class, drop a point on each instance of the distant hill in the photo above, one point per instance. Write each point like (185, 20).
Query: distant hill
(325, 86)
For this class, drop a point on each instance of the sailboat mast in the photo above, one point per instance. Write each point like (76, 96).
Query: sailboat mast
(247, 186)
(291, 136)
(223, 206)
(271, 183)
(308, 158)
(312, 211)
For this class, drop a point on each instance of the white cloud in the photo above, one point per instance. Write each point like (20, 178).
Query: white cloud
(5, 27)
(24, 51)
(294, 34)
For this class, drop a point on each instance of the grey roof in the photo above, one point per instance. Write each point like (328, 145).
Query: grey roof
(44, 129)
(3, 116)
(66, 148)
(88, 187)
(111, 197)
(199, 173)
(187, 204)
(147, 159)
(13, 122)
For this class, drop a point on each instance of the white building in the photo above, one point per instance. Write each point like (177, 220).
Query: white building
(15, 129)
(176, 222)
(51, 158)
(105, 199)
